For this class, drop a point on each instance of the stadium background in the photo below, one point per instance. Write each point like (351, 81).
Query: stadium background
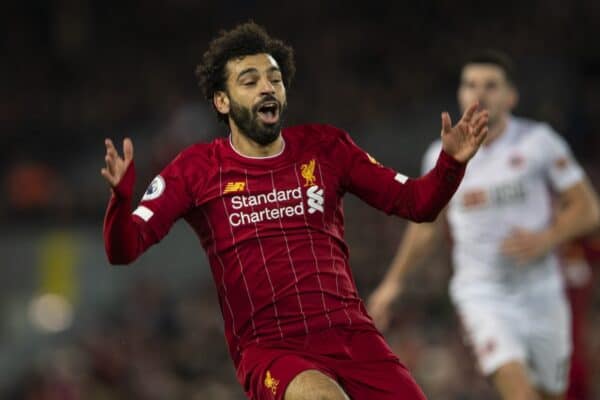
(76, 71)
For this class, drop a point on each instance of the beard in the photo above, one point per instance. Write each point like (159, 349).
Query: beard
(250, 126)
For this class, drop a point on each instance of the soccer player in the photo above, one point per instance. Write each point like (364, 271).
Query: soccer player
(506, 286)
(266, 204)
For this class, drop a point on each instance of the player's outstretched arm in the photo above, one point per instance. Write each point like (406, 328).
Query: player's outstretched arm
(418, 243)
(460, 142)
(422, 199)
(122, 236)
(432, 192)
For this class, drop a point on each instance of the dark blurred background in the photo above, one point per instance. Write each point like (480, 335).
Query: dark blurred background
(76, 71)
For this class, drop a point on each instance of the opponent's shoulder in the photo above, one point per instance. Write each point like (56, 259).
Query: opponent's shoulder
(529, 129)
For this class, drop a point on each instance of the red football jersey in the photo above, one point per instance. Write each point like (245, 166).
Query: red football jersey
(273, 228)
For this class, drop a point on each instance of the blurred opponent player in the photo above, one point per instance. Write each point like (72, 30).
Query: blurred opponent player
(507, 285)
(266, 204)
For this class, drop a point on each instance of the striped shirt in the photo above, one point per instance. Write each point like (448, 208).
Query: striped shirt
(273, 228)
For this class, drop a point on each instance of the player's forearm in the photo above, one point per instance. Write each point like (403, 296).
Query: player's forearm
(417, 245)
(432, 192)
(122, 236)
(579, 215)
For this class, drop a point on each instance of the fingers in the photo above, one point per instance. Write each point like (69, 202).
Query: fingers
(470, 111)
(480, 121)
(480, 124)
(446, 123)
(108, 176)
(521, 247)
(512, 249)
(111, 155)
(115, 165)
(110, 161)
(482, 135)
(127, 149)
(518, 254)
(110, 147)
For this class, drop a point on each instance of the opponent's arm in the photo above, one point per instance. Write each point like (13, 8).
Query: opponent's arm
(578, 213)
(418, 243)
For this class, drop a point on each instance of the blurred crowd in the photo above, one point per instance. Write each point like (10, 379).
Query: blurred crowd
(147, 345)
(155, 345)
(82, 70)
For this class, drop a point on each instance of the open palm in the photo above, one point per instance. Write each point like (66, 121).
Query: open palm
(462, 140)
(116, 166)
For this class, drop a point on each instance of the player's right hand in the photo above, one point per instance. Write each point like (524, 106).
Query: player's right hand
(379, 304)
(116, 166)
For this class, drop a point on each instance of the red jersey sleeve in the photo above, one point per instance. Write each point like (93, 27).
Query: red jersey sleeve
(419, 200)
(128, 234)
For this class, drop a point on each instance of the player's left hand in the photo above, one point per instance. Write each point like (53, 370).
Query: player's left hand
(524, 246)
(462, 140)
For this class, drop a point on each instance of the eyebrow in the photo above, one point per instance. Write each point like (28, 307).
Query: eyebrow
(252, 69)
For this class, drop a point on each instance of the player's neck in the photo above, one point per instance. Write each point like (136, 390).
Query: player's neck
(496, 130)
(249, 148)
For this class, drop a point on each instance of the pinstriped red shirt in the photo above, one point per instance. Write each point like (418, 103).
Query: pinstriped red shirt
(273, 228)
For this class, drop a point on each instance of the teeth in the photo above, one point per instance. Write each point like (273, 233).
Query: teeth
(269, 106)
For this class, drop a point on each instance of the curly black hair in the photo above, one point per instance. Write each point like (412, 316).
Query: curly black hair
(245, 39)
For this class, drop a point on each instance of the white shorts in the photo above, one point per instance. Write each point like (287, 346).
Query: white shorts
(537, 333)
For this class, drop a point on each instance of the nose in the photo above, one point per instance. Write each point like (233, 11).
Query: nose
(481, 95)
(479, 92)
(266, 87)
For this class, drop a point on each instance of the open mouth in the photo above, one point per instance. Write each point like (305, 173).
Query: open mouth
(268, 112)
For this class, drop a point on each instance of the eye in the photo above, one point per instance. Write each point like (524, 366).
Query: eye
(275, 80)
(249, 83)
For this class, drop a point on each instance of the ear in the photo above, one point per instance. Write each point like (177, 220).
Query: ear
(221, 102)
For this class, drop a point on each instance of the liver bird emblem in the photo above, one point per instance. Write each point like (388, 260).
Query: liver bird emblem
(308, 172)
(271, 383)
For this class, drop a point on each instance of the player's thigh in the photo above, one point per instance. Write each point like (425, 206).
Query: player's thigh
(276, 374)
(512, 381)
(381, 380)
(374, 372)
(314, 385)
(493, 335)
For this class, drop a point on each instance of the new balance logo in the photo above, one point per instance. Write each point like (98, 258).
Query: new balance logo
(315, 199)
(233, 187)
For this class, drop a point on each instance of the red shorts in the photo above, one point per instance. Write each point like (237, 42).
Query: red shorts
(360, 361)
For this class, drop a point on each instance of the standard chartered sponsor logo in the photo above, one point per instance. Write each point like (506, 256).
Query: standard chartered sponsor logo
(315, 199)
(274, 205)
